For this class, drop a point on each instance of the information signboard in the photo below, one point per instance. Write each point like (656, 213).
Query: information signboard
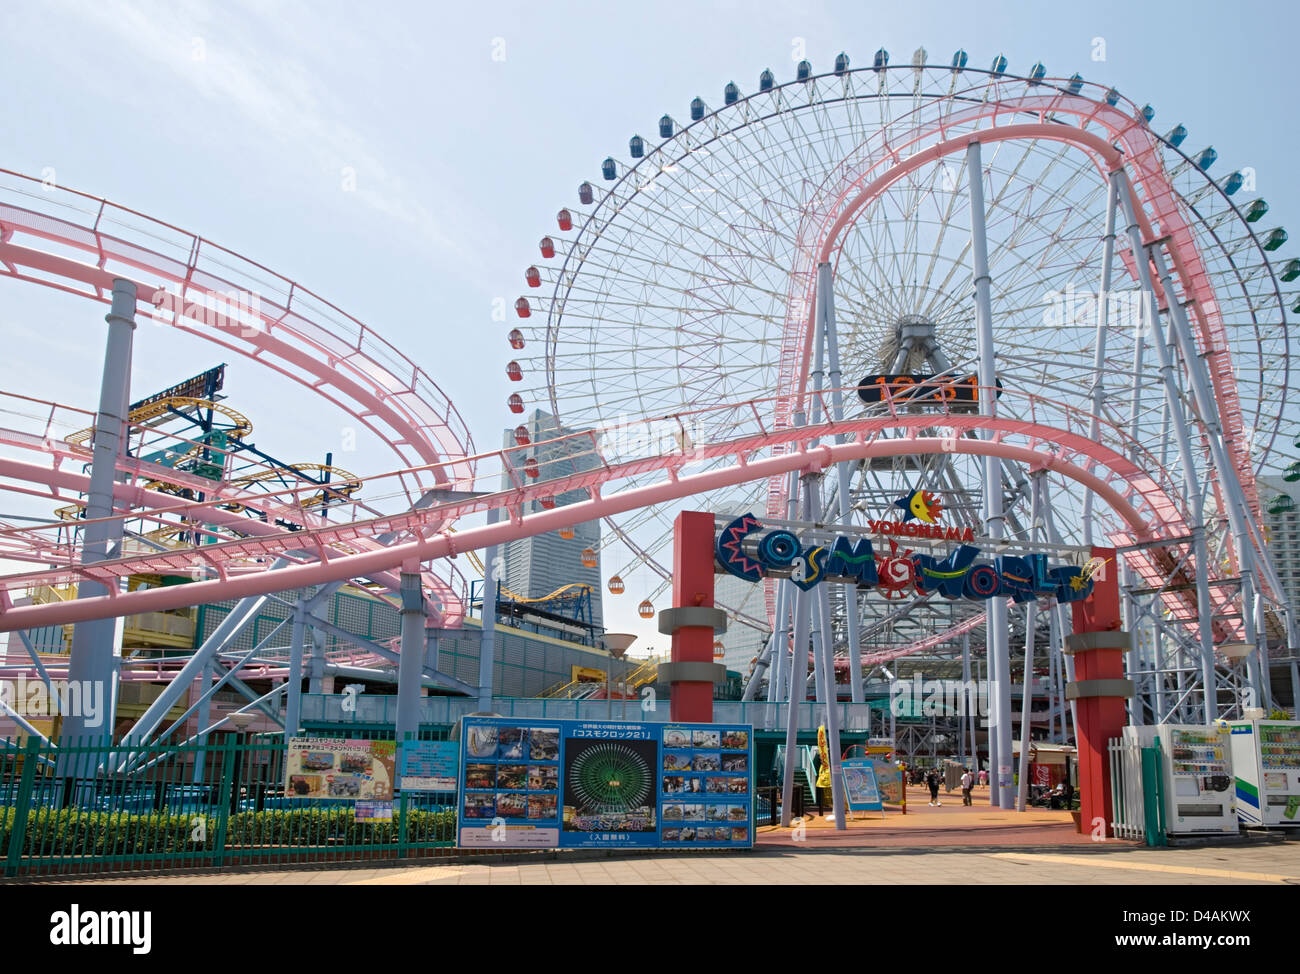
(860, 787)
(430, 765)
(590, 784)
(374, 812)
(334, 768)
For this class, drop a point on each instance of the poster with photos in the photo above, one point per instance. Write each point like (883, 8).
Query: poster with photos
(509, 794)
(604, 784)
(706, 786)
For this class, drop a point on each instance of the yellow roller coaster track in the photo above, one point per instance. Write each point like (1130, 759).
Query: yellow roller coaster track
(341, 482)
(477, 563)
(240, 426)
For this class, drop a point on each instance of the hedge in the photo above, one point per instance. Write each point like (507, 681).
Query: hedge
(75, 832)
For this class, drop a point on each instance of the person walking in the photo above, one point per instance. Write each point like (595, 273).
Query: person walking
(933, 781)
(984, 777)
(967, 782)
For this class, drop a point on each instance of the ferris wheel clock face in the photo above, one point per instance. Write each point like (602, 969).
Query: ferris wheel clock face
(609, 786)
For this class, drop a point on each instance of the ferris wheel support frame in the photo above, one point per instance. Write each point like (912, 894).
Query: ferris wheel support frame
(1182, 440)
(1238, 509)
(830, 336)
(1207, 403)
(1103, 330)
(995, 631)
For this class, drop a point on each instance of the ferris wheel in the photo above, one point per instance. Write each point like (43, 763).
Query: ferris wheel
(682, 284)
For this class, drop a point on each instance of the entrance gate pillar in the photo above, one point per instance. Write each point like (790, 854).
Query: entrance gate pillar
(1099, 689)
(693, 621)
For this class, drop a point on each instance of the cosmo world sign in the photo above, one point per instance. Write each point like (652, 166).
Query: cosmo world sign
(743, 551)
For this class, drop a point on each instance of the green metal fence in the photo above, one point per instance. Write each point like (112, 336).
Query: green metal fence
(91, 808)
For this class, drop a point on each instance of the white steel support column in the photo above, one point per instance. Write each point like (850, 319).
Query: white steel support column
(1027, 678)
(1103, 329)
(973, 704)
(762, 663)
(1151, 315)
(1051, 677)
(487, 641)
(95, 654)
(968, 703)
(832, 708)
(996, 621)
(1132, 658)
(204, 717)
(410, 661)
(293, 689)
(780, 644)
(798, 692)
(826, 311)
(818, 632)
(1026, 699)
(246, 609)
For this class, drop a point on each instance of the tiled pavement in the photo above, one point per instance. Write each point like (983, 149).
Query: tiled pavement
(1119, 864)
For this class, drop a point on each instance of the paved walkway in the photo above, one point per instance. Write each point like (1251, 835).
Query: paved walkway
(1101, 863)
(949, 843)
(945, 825)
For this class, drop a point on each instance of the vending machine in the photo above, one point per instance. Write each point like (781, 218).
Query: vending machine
(1266, 765)
(1198, 782)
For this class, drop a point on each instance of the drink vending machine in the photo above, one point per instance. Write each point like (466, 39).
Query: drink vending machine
(1266, 765)
(1197, 770)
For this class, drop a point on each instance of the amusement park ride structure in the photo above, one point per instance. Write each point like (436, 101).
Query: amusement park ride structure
(932, 223)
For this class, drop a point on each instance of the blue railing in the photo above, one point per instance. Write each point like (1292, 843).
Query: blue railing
(364, 709)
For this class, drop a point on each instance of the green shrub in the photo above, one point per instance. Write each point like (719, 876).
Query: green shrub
(94, 834)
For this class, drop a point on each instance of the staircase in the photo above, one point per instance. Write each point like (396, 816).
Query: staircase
(801, 785)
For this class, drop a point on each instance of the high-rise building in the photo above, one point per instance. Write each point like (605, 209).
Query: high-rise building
(740, 643)
(535, 567)
(1282, 523)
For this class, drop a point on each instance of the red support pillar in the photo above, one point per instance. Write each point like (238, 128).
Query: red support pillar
(1099, 688)
(693, 621)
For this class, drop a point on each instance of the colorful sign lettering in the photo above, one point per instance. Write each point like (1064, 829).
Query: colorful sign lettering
(958, 575)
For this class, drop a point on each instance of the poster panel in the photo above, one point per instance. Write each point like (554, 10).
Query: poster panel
(593, 784)
(336, 768)
(430, 765)
(889, 780)
(861, 790)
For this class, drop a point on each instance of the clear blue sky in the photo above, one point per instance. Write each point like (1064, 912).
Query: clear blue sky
(236, 121)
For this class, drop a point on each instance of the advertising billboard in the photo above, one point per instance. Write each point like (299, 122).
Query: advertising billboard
(591, 784)
(335, 768)
(430, 765)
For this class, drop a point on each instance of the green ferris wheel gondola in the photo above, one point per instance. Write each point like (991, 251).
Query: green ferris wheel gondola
(1281, 504)
(1292, 473)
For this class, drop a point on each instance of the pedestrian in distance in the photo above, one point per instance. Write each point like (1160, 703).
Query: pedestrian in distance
(967, 782)
(933, 781)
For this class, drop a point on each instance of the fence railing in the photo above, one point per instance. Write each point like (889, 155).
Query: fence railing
(97, 808)
(1137, 792)
(382, 709)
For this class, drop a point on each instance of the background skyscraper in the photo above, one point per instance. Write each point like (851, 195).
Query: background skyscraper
(537, 566)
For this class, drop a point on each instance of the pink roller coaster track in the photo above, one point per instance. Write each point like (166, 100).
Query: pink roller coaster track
(79, 244)
(1146, 509)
